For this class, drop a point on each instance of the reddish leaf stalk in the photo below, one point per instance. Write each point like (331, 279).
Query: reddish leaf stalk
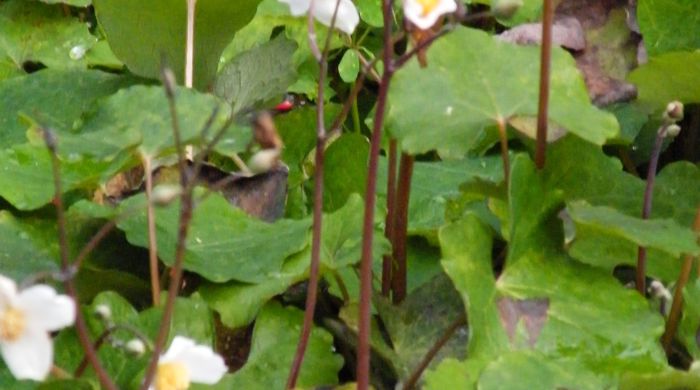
(364, 323)
(418, 371)
(186, 206)
(312, 287)
(403, 193)
(388, 260)
(640, 280)
(545, 70)
(69, 285)
(675, 313)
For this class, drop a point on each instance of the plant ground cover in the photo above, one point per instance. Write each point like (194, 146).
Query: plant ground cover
(268, 194)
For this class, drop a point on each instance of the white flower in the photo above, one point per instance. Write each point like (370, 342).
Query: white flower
(26, 318)
(425, 13)
(346, 20)
(184, 363)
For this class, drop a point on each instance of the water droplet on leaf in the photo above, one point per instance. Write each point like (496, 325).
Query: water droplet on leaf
(77, 52)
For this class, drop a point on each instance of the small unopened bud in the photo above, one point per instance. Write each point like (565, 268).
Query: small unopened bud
(264, 160)
(672, 130)
(674, 111)
(505, 8)
(164, 194)
(169, 81)
(135, 347)
(103, 312)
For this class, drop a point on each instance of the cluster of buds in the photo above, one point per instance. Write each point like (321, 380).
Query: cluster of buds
(671, 116)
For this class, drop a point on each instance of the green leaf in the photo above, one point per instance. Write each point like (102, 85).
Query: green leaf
(502, 85)
(466, 258)
(523, 370)
(139, 33)
(669, 25)
(435, 184)
(689, 328)
(257, 75)
(454, 374)
(34, 32)
(349, 66)
(239, 303)
(370, 12)
(666, 380)
(55, 98)
(26, 180)
(605, 237)
(345, 170)
(145, 111)
(22, 253)
(668, 77)
(223, 242)
(74, 3)
(576, 297)
(419, 322)
(274, 342)
(341, 246)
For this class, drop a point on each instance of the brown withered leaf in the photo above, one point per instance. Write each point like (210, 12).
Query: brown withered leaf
(566, 32)
(611, 47)
(531, 313)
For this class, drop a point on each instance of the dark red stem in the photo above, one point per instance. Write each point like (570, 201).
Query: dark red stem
(388, 260)
(364, 323)
(403, 193)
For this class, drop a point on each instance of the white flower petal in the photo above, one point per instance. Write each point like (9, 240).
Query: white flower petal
(413, 11)
(8, 291)
(46, 309)
(179, 346)
(347, 18)
(204, 365)
(297, 7)
(30, 356)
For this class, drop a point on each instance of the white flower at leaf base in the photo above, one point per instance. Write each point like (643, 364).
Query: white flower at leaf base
(346, 20)
(26, 318)
(184, 363)
(425, 13)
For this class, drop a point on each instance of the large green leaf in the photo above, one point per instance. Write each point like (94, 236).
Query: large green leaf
(26, 180)
(34, 32)
(22, 253)
(257, 75)
(345, 170)
(474, 81)
(466, 252)
(224, 243)
(274, 342)
(55, 98)
(421, 319)
(139, 33)
(606, 237)
(523, 370)
(669, 25)
(668, 77)
(435, 184)
(341, 245)
(144, 110)
(689, 329)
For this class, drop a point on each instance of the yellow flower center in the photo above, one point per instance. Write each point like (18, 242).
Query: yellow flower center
(172, 376)
(428, 5)
(12, 324)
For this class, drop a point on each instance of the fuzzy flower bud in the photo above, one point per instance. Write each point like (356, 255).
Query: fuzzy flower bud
(674, 112)
(135, 347)
(103, 312)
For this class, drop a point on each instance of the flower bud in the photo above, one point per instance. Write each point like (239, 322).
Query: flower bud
(505, 8)
(103, 312)
(674, 111)
(135, 347)
(672, 131)
(164, 194)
